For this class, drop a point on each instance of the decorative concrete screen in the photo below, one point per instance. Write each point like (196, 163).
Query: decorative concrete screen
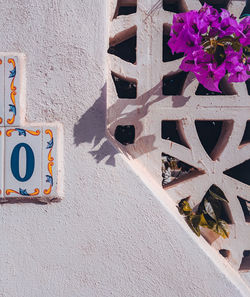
(157, 113)
(28, 152)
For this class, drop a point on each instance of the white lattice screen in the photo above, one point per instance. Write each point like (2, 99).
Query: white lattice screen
(141, 79)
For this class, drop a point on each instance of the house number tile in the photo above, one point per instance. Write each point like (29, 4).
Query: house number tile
(28, 153)
(23, 160)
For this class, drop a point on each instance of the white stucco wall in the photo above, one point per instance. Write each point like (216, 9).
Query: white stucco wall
(110, 235)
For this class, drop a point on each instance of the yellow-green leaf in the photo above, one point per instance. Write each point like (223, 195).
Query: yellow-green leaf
(195, 228)
(184, 207)
(223, 229)
(203, 221)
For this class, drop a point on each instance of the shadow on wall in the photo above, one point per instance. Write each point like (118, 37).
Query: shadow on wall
(92, 125)
(118, 115)
(91, 129)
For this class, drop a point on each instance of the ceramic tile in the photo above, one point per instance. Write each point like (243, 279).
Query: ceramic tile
(23, 161)
(49, 151)
(12, 90)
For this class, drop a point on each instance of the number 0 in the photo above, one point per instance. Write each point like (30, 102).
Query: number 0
(30, 162)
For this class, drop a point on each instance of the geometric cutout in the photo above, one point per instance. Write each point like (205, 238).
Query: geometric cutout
(174, 6)
(166, 51)
(246, 136)
(221, 208)
(125, 134)
(23, 162)
(202, 91)
(217, 4)
(173, 84)
(125, 8)
(224, 253)
(246, 10)
(240, 172)
(175, 171)
(245, 263)
(245, 205)
(126, 50)
(225, 88)
(248, 86)
(124, 88)
(170, 131)
(209, 133)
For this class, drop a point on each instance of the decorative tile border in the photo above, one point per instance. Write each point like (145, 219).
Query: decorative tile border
(49, 177)
(12, 90)
(12, 106)
(22, 132)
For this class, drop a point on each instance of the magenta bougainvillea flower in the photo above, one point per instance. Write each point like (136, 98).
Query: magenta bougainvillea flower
(214, 44)
(211, 75)
(245, 31)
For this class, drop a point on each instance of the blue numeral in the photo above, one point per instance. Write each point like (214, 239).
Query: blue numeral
(30, 162)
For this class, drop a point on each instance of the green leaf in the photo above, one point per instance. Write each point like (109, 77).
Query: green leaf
(217, 207)
(184, 207)
(236, 46)
(218, 197)
(203, 221)
(208, 214)
(222, 229)
(193, 222)
(210, 50)
(196, 220)
(210, 223)
(173, 164)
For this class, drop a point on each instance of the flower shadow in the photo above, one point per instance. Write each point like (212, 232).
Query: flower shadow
(91, 127)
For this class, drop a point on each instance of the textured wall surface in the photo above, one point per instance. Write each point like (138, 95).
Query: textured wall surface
(110, 236)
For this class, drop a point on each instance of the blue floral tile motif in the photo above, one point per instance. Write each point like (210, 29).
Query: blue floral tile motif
(50, 144)
(22, 192)
(12, 73)
(12, 109)
(22, 132)
(49, 179)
